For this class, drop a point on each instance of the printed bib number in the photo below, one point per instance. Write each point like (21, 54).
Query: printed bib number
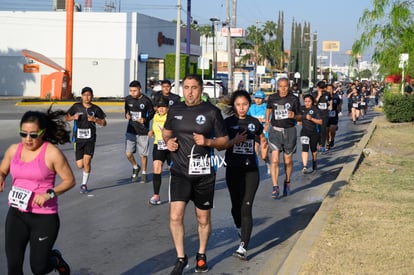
(19, 197)
(304, 140)
(161, 145)
(355, 105)
(244, 148)
(198, 165)
(281, 114)
(84, 133)
(363, 103)
(332, 113)
(323, 106)
(135, 116)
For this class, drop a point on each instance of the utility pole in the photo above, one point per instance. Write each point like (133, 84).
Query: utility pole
(229, 50)
(188, 33)
(177, 49)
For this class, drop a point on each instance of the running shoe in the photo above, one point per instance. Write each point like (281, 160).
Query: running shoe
(304, 170)
(275, 192)
(180, 265)
(241, 253)
(143, 178)
(332, 143)
(61, 265)
(201, 263)
(134, 176)
(286, 188)
(155, 200)
(84, 189)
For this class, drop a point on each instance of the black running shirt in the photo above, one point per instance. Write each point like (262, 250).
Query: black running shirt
(139, 108)
(171, 98)
(280, 107)
(243, 155)
(308, 126)
(183, 121)
(84, 130)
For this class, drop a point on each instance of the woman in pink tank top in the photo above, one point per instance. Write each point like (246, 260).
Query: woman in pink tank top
(33, 210)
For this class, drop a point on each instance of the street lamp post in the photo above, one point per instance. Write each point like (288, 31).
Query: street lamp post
(213, 22)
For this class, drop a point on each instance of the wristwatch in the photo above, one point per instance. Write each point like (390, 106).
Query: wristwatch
(51, 192)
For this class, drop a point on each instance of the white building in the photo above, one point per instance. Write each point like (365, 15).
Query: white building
(109, 50)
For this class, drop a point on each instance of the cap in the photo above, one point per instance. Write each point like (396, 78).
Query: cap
(259, 94)
(161, 103)
(87, 89)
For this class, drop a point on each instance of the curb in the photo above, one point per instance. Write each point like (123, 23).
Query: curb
(300, 251)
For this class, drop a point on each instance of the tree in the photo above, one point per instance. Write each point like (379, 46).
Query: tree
(389, 28)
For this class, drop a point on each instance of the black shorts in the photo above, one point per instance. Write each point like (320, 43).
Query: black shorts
(84, 148)
(162, 155)
(199, 189)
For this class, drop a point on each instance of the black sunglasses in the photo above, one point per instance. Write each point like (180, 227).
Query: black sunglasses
(33, 135)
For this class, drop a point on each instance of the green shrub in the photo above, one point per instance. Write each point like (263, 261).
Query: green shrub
(398, 107)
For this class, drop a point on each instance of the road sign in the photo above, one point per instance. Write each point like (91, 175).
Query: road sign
(330, 46)
(235, 32)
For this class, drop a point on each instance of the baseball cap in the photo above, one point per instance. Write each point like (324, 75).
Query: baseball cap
(87, 89)
(162, 103)
(259, 94)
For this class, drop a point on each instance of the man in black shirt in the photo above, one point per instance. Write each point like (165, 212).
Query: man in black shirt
(281, 112)
(192, 130)
(139, 112)
(166, 94)
(85, 115)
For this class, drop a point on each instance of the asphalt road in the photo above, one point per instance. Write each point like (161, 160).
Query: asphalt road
(113, 229)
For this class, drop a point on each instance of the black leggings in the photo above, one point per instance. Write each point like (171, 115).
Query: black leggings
(242, 187)
(40, 230)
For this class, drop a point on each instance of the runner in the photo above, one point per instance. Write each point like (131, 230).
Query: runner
(242, 172)
(324, 102)
(309, 134)
(138, 111)
(166, 94)
(334, 110)
(193, 128)
(159, 151)
(35, 163)
(85, 116)
(281, 114)
(258, 110)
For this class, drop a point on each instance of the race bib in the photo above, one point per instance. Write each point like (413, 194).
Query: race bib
(304, 140)
(332, 113)
(198, 165)
(161, 145)
(355, 105)
(281, 114)
(322, 106)
(244, 148)
(363, 103)
(19, 197)
(135, 115)
(84, 133)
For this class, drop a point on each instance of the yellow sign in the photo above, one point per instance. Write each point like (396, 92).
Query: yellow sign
(330, 46)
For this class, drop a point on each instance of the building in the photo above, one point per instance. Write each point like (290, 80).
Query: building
(109, 50)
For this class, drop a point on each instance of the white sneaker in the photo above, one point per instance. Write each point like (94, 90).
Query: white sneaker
(241, 252)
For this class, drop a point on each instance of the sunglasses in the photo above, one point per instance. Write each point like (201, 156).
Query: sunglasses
(33, 135)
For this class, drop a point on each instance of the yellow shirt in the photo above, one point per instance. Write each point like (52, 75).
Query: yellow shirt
(157, 126)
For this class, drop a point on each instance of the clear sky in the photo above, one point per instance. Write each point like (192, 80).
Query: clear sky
(332, 19)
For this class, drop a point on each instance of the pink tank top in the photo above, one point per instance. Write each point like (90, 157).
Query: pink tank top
(36, 177)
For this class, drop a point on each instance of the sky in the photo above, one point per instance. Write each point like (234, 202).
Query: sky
(333, 20)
